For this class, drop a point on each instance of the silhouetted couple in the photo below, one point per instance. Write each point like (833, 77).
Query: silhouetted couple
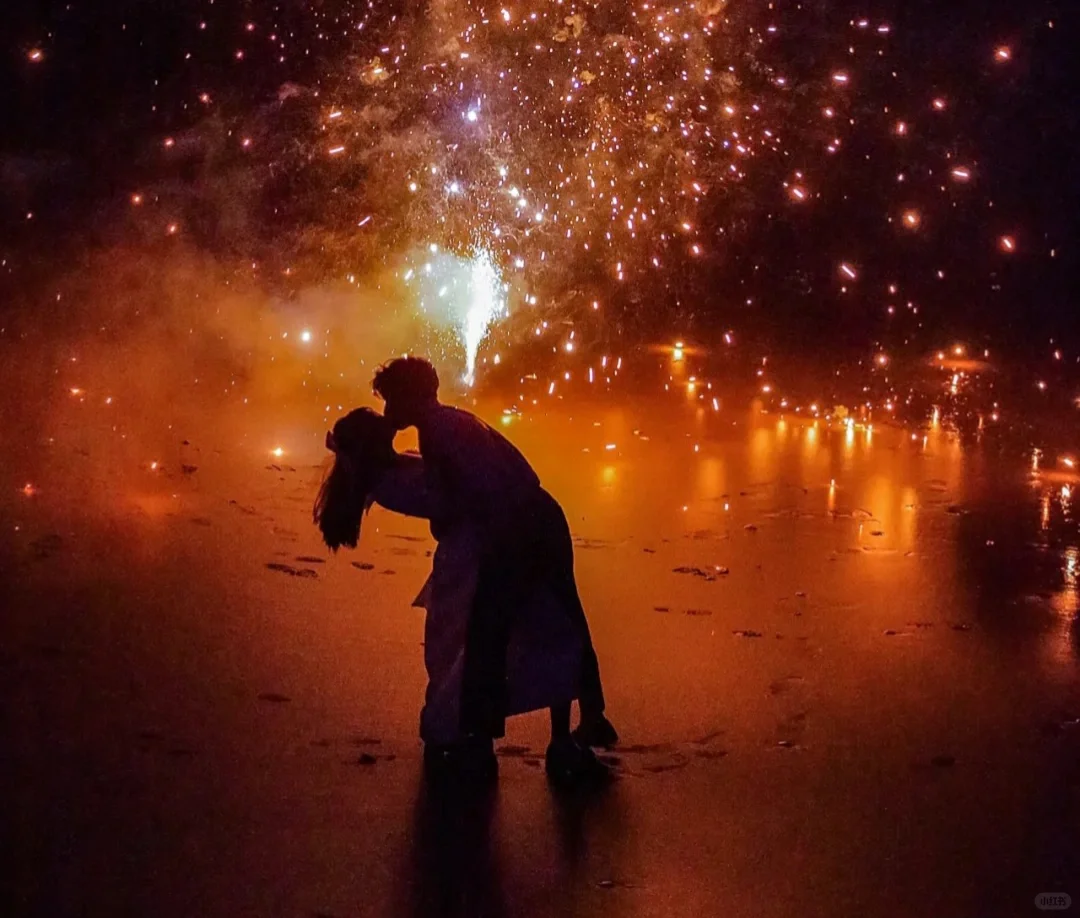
(505, 632)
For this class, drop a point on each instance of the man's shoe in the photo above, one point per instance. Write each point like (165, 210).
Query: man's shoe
(597, 732)
(570, 764)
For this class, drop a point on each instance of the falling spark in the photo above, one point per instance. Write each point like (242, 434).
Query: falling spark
(1007, 244)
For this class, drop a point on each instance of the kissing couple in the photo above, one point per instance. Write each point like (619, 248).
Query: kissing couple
(505, 632)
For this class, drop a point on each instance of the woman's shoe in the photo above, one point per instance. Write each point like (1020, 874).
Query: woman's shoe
(472, 761)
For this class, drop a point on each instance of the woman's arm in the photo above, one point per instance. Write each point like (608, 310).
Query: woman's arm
(405, 488)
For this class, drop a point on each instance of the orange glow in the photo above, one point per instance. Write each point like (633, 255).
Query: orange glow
(912, 219)
(1007, 244)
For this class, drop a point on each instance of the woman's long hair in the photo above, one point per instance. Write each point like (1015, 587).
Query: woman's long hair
(363, 447)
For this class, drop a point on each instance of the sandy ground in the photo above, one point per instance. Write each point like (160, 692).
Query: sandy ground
(845, 699)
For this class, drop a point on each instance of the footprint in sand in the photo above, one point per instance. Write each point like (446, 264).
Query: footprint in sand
(305, 572)
(309, 559)
(366, 759)
(363, 566)
(46, 546)
(274, 697)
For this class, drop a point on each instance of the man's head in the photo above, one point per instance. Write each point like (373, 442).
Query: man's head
(409, 386)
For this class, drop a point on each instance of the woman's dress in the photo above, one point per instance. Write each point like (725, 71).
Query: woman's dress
(545, 644)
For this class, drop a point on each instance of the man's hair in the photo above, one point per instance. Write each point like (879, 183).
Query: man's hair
(410, 378)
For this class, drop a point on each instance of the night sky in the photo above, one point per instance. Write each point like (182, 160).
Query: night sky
(96, 91)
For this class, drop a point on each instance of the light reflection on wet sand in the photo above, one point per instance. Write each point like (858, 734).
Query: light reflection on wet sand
(853, 607)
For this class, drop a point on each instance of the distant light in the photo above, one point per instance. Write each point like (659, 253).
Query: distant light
(305, 336)
(940, 105)
(36, 56)
(912, 219)
(336, 151)
(471, 116)
(961, 174)
(840, 77)
(277, 452)
(1003, 54)
(1007, 244)
(136, 199)
(848, 271)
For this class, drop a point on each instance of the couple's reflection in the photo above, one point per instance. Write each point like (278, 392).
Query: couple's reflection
(455, 870)
(459, 869)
